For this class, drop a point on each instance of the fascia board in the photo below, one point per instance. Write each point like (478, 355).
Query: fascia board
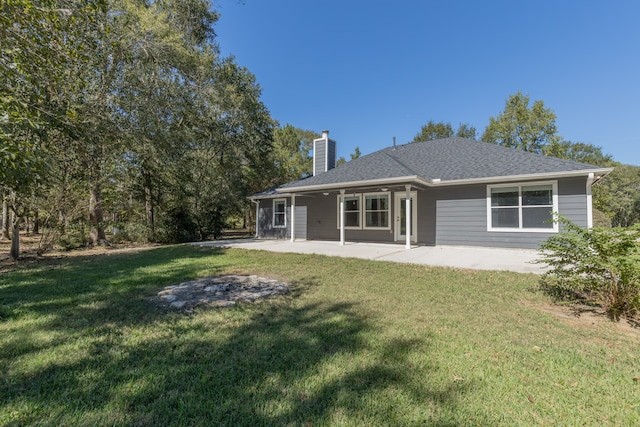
(437, 182)
(528, 177)
(370, 182)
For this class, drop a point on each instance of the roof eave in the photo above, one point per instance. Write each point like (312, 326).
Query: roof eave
(414, 179)
(349, 184)
(599, 173)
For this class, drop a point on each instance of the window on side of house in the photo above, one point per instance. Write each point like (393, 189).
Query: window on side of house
(279, 213)
(376, 213)
(525, 207)
(351, 211)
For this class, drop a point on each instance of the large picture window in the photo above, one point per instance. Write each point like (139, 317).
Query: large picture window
(525, 207)
(376, 211)
(279, 213)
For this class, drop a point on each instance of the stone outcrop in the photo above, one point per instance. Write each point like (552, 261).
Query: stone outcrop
(220, 291)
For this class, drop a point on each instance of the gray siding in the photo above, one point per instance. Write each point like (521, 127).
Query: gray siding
(265, 221)
(446, 216)
(462, 216)
(319, 155)
(331, 154)
(322, 221)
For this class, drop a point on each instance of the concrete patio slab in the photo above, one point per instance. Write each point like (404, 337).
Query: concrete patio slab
(476, 258)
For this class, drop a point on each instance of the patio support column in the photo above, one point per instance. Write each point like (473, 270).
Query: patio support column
(589, 201)
(408, 218)
(257, 202)
(293, 218)
(341, 217)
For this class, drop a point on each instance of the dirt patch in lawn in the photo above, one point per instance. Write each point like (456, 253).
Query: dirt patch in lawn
(588, 317)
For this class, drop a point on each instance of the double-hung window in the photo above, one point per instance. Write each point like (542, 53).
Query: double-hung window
(279, 213)
(351, 212)
(376, 213)
(366, 211)
(522, 207)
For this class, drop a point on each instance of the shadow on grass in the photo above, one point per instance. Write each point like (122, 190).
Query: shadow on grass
(115, 359)
(283, 365)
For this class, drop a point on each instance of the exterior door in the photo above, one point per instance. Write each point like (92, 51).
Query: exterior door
(401, 216)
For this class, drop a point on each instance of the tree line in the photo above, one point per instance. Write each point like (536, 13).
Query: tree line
(122, 116)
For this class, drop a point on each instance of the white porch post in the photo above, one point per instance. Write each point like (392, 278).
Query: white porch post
(589, 201)
(293, 218)
(257, 217)
(408, 218)
(341, 217)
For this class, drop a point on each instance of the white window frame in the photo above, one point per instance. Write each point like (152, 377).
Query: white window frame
(520, 229)
(388, 210)
(273, 215)
(351, 196)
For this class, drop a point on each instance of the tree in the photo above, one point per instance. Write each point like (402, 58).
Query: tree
(433, 130)
(291, 158)
(618, 195)
(356, 153)
(579, 152)
(523, 127)
(466, 131)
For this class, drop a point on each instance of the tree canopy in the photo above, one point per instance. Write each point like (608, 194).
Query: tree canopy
(522, 126)
(144, 127)
(433, 130)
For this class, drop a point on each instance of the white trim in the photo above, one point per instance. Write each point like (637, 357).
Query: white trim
(520, 229)
(398, 195)
(437, 182)
(257, 203)
(364, 210)
(314, 158)
(408, 216)
(589, 202)
(341, 215)
(273, 214)
(364, 183)
(518, 178)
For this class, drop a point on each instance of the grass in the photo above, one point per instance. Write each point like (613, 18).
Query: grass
(355, 343)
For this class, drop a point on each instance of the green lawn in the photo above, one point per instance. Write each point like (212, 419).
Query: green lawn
(355, 343)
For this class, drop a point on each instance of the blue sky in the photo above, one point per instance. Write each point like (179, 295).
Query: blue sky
(371, 70)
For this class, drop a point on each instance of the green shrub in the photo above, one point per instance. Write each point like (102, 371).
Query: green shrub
(73, 237)
(601, 266)
(134, 232)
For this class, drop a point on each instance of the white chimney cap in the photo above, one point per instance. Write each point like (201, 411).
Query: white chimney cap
(325, 134)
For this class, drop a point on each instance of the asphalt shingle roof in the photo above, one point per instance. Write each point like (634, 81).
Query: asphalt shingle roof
(447, 159)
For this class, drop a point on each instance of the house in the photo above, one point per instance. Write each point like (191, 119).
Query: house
(451, 191)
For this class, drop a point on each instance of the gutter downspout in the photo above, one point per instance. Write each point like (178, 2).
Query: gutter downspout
(590, 179)
(257, 202)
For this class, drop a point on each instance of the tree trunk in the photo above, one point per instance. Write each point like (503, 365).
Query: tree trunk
(4, 233)
(95, 215)
(148, 205)
(15, 240)
(36, 222)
